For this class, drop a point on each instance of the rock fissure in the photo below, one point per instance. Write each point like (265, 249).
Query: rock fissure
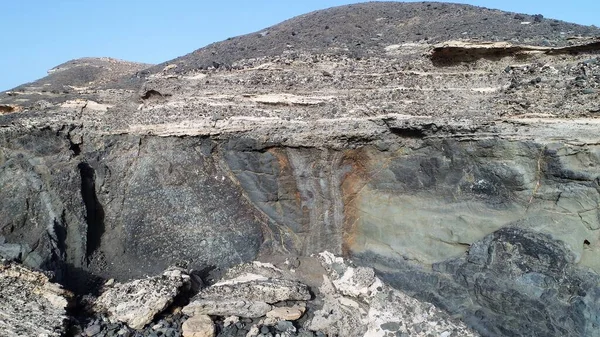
(94, 210)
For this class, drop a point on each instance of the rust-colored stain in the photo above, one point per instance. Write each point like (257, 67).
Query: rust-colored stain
(285, 177)
(285, 169)
(352, 183)
(282, 159)
(6, 109)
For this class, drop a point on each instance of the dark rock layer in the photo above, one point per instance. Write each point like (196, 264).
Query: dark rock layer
(509, 228)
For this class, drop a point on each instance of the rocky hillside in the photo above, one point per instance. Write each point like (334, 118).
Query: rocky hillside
(451, 148)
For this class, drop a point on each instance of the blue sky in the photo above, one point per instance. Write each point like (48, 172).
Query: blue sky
(36, 35)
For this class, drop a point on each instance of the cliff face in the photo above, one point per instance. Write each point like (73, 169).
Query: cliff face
(465, 173)
(420, 211)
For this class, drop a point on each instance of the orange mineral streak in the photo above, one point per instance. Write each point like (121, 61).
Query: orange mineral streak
(286, 172)
(352, 183)
(282, 159)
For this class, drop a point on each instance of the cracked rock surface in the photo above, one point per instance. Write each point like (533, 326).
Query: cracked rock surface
(137, 302)
(31, 305)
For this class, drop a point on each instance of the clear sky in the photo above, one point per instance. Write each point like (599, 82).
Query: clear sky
(36, 35)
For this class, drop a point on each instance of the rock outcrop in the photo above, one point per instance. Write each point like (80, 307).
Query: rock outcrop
(137, 302)
(514, 282)
(458, 162)
(357, 303)
(31, 305)
(249, 295)
(350, 301)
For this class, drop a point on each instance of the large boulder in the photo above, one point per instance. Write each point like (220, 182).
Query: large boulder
(513, 282)
(246, 293)
(137, 302)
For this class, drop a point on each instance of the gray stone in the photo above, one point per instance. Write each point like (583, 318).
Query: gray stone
(285, 326)
(227, 307)
(503, 281)
(253, 287)
(93, 330)
(11, 252)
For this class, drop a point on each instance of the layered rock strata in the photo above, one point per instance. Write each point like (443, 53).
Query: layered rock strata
(459, 163)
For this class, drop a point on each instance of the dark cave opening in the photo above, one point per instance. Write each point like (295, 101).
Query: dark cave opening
(76, 148)
(94, 211)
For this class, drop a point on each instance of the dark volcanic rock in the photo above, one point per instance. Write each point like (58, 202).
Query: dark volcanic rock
(452, 148)
(511, 283)
(145, 203)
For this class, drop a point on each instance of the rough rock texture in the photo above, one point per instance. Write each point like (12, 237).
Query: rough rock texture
(30, 305)
(255, 287)
(227, 307)
(286, 313)
(402, 135)
(247, 294)
(137, 302)
(356, 303)
(198, 326)
(510, 270)
(114, 202)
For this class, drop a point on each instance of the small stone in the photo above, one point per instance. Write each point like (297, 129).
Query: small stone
(93, 330)
(254, 331)
(264, 330)
(286, 313)
(124, 333)
(198, 326)
(391, 326)
(306, 333)
(230, 320)
(285, 326)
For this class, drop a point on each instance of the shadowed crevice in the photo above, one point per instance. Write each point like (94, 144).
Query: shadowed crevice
(94, 211)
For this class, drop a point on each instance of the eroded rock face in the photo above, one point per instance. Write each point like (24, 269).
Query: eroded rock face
(513, 282)
(31, 305)
(375, 143)
(113, 202)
